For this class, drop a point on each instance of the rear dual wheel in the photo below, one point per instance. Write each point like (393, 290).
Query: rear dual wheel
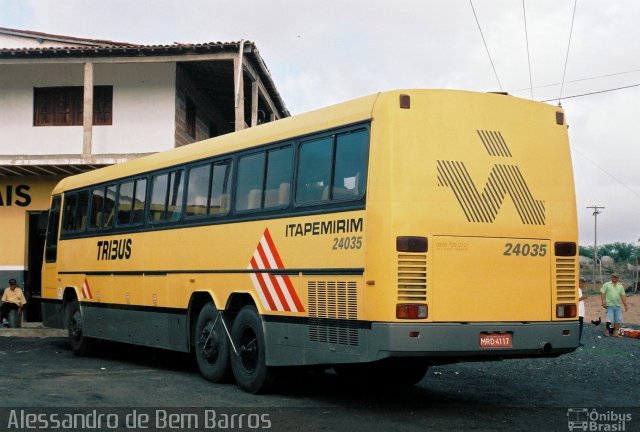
(249, 366)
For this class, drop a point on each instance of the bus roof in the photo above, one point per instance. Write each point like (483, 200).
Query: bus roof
(344, 113)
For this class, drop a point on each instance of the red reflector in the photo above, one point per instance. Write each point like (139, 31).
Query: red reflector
(411, 311)
(566, 311)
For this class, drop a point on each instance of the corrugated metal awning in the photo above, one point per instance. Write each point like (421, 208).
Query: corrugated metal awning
(58, 165)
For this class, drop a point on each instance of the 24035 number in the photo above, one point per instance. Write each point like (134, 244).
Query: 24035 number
(525, 249)
(347, 243)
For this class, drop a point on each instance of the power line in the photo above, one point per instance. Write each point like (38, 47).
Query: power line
(606, 172)
(485, 44)
(592, 93)
(526, 37)
(573, 17)
(578, 80)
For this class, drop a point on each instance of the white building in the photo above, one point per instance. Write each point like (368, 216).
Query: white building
(68, 105)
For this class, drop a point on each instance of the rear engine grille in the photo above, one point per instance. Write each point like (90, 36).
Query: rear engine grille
(565, 279)
(333, 312)
(412, 277)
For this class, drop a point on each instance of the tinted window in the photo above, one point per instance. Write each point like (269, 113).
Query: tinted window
(314, 170)
(97, 202)
(82, 210)
(69, 212)
(350, 165)
(109, 206)
(250, 177)
(166, 196)
(278, 181)
(125, 203)
(158, 197)
(51, 251)
(176, 189)
(139, 201)
(198, 190)
(219, 199)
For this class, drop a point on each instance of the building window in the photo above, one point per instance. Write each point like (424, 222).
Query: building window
(63, 106)
(190, 121)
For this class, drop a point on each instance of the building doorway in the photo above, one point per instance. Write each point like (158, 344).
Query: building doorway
(37, 230)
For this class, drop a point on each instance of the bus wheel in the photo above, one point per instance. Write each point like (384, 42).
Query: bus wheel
(249, 365)
(408, 371)
(212, 345)
(80, 344)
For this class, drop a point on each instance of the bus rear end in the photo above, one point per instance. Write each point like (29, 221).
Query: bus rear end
(474, 252)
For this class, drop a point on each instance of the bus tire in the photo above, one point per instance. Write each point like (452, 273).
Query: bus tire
(408, 371)
(249, 365)
(80, 344)
(212, 345)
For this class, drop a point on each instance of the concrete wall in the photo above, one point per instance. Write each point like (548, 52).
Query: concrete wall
(143, 109)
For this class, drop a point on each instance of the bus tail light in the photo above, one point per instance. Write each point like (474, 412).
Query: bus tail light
(411, 311)
(411, 244)
(565, 249)
(566, 311)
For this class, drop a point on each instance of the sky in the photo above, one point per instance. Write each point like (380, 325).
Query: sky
(324, 52)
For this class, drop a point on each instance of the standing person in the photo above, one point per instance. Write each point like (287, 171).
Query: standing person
(612, 294)
(581, 298)
(12, 299)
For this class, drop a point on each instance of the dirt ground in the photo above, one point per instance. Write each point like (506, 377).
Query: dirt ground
(594, 309)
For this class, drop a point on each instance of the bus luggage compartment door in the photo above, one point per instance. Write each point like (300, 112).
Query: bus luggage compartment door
(490, 279)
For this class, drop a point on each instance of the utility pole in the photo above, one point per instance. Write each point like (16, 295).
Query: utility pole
(596, 212)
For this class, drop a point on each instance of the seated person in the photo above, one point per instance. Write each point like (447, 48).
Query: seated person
(12, 299)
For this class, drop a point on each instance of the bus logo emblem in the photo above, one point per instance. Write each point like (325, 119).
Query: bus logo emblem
(504, 179)
(275, 291)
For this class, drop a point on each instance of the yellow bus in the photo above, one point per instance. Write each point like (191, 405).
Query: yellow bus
(381, 235)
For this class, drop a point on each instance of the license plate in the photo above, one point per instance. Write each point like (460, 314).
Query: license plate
(495, 340)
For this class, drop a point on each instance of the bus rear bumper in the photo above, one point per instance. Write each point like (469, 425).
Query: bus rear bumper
(459, 342)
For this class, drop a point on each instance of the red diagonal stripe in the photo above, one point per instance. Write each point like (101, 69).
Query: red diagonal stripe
(86, 284)
(263, 286)
(273, 280)
(272, 248)
(263, 257)
(278, 289)
(292, 292)
(287, 281)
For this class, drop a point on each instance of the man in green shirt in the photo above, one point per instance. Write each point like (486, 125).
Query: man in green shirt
(612, 295)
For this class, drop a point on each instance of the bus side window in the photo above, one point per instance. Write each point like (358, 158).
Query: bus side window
(69, 212)
(277, 188)
(51, 250)
(82, 209)
(176, 189)
(249, 186)
(166, 196)
(350, 165)
(109, 206)
(198, 191)
(139, 201)
(97, 202)
(158, 197)
(314, 170)
(125, 203)
(219, 195)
